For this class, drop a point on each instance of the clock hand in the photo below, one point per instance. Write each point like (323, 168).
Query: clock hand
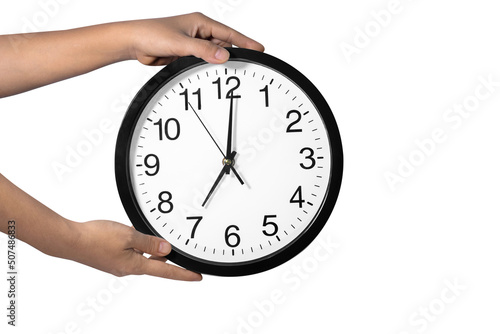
(206, 129)
(227, 164)
(230, 130)
(229, 139)
(236, 174)
(232, 167)
(221, 174)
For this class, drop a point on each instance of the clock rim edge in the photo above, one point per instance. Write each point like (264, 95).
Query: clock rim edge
(280, 256)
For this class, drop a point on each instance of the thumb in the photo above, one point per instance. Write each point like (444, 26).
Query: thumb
(150, 244)
(206, 50)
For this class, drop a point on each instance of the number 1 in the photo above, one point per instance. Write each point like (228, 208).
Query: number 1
(186, 99)
(266, 92)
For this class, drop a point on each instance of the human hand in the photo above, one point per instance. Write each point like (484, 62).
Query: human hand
(105, 245)
(161, 41)
(49, 57)
(118, 249)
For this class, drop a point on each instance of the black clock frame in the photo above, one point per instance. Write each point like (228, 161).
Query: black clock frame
(124, 184)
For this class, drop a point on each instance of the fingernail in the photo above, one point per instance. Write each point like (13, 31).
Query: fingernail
(222, 54)
(164, 247)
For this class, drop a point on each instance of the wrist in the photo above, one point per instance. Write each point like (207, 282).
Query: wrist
(127, 38)
(102, 44)
(70, 238)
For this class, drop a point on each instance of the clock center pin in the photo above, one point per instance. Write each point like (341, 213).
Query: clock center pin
(228, 162)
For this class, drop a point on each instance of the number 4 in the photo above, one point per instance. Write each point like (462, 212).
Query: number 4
(297, 197)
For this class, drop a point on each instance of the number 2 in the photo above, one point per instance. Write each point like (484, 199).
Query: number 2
(230, 92)
(290, 126)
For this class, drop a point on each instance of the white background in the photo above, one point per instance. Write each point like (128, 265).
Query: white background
(395, 251)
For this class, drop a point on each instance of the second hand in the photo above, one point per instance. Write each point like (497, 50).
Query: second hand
(232, 167)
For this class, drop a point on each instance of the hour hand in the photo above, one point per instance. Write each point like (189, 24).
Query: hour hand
(228, 163)
(221, 174)
(237, 175)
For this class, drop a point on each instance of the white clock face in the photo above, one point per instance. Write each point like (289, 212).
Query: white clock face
(275, 185)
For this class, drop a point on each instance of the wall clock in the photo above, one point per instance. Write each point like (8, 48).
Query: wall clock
(238, 165)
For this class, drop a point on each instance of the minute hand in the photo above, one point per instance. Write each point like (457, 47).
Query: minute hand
(229, 139)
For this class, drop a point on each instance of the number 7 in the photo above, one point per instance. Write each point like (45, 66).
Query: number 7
(198, 220)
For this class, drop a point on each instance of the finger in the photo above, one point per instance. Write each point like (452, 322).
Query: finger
(221, 43)
(150, 244)
(204, 49)
(165, 270)
(158, 258)
(224, 33)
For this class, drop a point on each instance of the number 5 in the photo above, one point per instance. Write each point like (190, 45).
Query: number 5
(273, 224)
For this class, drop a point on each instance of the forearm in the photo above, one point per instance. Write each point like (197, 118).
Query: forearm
(32, 60)
(28, 61)
(104, 245)
(36, 224)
